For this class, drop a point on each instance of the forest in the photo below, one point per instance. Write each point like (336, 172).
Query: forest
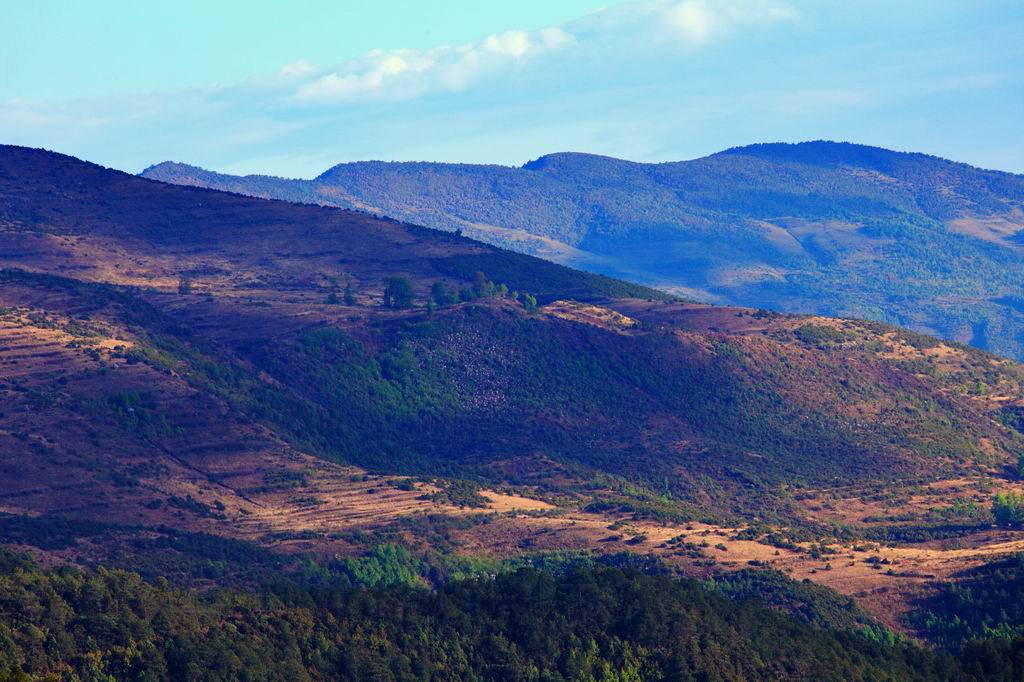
(590, 623)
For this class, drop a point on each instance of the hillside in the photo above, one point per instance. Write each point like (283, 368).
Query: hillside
(819, 227)
(206, 386)
(590, 623)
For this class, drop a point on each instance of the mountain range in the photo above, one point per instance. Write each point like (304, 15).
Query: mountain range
(818, 227)
(239, 299)
(326, 412)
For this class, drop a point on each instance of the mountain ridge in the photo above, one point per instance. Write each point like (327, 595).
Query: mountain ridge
(540, 161)
(816, 227)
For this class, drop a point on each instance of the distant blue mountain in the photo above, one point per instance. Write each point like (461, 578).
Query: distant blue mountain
(823, 227)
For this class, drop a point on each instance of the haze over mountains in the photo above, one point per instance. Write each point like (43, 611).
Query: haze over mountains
(817, 227)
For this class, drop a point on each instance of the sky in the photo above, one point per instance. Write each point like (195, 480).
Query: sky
(293, 88)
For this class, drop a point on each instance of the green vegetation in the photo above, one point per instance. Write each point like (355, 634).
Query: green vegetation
(424, 395)
(481, 288)
(442, 296)
(984, 603)
(547, 281)
(804, 600)
(460, 493)
(133, 411)
(48, 532)
(586, 624)
(385, 566)
(816, 334)
(1008, 508)
(398, 292)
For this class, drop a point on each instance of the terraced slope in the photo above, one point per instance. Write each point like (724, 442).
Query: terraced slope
(181, 358)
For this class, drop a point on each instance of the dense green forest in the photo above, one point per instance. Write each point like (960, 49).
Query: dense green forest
(984, 603)
(584, 624)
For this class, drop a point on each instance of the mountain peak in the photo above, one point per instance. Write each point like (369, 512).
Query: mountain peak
(174, 172)
(828, 153)
(170, 166)
(574, 160)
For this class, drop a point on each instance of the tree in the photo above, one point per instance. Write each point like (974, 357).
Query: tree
(529, 302)
(442, 295)
(398, 292)
(184, 285)
(479, 283)
(350, 294)
(332, 299)
(1008, 508)
(482, 287)
(1020, 466)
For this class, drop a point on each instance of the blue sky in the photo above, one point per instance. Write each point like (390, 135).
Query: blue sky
(292, 88)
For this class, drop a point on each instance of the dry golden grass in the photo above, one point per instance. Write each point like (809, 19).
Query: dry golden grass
(594, 315)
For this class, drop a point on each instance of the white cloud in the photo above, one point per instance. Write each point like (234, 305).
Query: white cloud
(554, 37)
(405, 74)
(684, 23)
(699, 21)
(511, 43)
(693, 20)
(399, 70)
(297, 68)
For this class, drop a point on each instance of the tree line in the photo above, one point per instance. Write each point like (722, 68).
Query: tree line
(399, 293)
